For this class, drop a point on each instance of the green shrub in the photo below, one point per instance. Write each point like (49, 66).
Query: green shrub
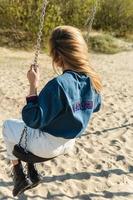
(115, 16)
(75, 12)
(16, 39)
(103, 44)
(25, 15)
(21, 18)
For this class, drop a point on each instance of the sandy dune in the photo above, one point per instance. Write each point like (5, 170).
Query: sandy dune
(101, 165)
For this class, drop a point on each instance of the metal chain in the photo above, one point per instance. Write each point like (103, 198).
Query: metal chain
(39, 35)
(90, 19)
(37, 51)
(26, 137)
(93, 16)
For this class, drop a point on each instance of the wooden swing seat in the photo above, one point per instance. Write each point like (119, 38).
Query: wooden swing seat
(27, 156)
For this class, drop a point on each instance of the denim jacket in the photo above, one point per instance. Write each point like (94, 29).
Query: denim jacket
(64, 106)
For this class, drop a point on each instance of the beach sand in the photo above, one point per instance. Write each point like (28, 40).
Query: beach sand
(101, 164)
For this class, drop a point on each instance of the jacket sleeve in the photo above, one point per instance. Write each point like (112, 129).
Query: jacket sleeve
(42, 109)
(97, 103)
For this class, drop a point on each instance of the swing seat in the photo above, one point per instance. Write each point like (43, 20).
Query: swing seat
(20, 153)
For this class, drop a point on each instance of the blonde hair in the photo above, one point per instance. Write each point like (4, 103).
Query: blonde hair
(68, 46)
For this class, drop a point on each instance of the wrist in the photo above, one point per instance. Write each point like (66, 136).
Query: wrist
(33, 90)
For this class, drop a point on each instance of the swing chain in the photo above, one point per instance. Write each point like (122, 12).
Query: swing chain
(39, 35)
(91, 18)
(26, 138)
(37, 51)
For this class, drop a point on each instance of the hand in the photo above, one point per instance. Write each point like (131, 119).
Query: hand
(33, 76)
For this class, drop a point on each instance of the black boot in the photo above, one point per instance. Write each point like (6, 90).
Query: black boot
(33, 175)
(19, 179)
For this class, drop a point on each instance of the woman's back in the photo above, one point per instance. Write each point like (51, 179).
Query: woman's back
(66, 103)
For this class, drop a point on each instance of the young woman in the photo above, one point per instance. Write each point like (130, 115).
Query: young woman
(62, 110)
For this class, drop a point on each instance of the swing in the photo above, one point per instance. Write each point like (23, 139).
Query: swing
(22, 153)
(18, 151)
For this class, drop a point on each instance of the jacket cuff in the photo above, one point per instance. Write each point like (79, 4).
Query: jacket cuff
(32, 99)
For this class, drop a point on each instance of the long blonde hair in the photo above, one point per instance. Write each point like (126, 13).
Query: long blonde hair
(67, 44)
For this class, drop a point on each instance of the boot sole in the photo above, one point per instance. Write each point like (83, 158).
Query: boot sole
(32, 185)
(22, 190)
(28, 187)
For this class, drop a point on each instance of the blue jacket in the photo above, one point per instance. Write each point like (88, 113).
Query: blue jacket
(64, 106)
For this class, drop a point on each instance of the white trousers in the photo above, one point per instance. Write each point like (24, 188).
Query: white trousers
(39, 143)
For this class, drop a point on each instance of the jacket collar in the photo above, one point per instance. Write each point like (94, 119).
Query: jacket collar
(67, 70)
(71, 70)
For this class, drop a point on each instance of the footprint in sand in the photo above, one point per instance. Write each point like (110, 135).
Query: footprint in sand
(98, 166)
(120, 157)
(89, 150)
(130, 168)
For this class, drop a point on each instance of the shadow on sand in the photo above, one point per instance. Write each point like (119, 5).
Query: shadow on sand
(104, 194)
(77, 176)
(108, 129)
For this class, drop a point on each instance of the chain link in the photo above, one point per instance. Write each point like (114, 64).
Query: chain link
(39, 36)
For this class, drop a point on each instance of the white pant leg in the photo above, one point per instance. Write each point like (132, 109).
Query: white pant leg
(46, 145)
(12, 130)
(39, 143)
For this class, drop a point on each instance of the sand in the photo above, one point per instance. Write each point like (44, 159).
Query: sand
(101, 164)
